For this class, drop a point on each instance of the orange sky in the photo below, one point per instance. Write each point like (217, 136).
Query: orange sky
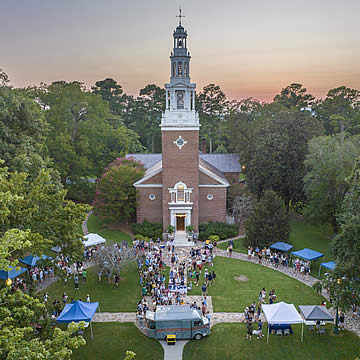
(249, 49)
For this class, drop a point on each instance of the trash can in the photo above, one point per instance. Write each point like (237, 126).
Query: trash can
(171, 339)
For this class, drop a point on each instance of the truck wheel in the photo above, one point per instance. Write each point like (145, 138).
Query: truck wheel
(198, 336)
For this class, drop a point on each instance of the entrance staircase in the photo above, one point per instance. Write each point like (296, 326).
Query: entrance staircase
(181, 240)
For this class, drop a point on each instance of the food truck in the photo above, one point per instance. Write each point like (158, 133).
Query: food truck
(181, 320)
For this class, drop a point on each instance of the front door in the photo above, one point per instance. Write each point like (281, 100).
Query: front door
(180, 222)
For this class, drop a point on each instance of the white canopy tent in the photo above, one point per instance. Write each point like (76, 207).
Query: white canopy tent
(282, 313)
(93, 239)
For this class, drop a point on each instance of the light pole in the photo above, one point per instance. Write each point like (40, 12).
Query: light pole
(336, 328)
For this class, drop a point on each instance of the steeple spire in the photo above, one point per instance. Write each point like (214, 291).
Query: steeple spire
(180, 16)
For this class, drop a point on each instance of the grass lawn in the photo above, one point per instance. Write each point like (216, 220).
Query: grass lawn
(228, 341)
(302, 235)
(97, 225)
(239, 246)
(112, 340)
(111, 298)
(230, 295)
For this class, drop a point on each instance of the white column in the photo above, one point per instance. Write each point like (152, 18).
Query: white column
(193, 107)
(167, 100)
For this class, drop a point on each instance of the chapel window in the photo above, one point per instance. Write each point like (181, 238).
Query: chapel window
(180, 69)
(180, 193)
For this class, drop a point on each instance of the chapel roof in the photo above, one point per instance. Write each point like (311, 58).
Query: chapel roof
(225, 163)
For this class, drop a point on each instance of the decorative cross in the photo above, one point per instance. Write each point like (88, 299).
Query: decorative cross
(180, 16)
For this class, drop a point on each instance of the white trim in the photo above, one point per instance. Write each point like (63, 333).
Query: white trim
(177, 128)
(149, 186)
(147, 177)
(181, 208)
(211, 186)
(212, 175)
(181, 203)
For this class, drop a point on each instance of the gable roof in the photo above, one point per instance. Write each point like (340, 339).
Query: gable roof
(315, 313)
(226, 163)
(150, 172)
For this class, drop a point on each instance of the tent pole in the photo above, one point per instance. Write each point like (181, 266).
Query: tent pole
(319, 270)
(268, 333)
(302, 331)
(91, 330)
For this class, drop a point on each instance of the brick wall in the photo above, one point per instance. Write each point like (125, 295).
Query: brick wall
(180, 165)
(147, 209)
(215, 209)
(156, 179)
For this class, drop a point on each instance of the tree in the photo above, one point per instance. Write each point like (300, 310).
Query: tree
(112, 93)
(4, 78)
(340, 111)
(83, 138)
(295, 97)
(20, 317)
(277, 159)
(211, 104)
(152, 98)
(115, 193)
(39, 205)
(22, 131)
(328, 163)
(269, 221)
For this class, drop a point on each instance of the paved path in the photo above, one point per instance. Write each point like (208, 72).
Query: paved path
(173, 352)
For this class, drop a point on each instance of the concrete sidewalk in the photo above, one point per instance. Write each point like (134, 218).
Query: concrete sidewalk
(173, 352)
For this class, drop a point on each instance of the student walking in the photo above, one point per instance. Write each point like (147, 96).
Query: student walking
(203, 289)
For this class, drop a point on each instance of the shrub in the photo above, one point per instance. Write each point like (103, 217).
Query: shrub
(170, 229)
(148, 229)
(141, 237)
(214, 238)
(223, 230)
(268, 223)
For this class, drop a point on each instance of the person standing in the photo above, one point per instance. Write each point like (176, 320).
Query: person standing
(87, 298)
(84, 275)
(203, 289)
(249, 329)
(99, 275)
(76, 281)
(117, 280)
(213, 275)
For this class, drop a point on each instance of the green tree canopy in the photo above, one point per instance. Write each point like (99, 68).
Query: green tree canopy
(39, 206)
(22, 131)
(328, 163)
(83, 138)
(340, 110)
(115, 194)
(268, 222)
(295, 97)
(19, 339)
(278, 153)
(212, 106)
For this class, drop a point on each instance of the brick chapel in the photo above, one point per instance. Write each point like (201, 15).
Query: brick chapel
(183, 186)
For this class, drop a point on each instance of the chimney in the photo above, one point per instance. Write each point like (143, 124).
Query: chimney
(203, 146)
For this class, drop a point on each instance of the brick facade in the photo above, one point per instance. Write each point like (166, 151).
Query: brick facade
(215, 209)
(150, 210)
(180, 165)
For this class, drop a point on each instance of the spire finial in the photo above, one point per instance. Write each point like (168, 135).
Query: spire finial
(180, 16)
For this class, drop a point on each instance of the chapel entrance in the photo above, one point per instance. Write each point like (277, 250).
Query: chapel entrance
(180, 222)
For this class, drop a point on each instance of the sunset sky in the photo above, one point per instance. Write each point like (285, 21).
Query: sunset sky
(249, 48)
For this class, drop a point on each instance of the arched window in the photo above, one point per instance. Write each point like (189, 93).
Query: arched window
(180, 69)
(186, 69)
(180, 193)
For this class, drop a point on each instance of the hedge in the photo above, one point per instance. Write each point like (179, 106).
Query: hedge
(148, 229)
(223, 230)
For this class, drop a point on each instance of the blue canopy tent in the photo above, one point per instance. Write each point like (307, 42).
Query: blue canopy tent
(32, 260)
(78, 311)
(281, 246)
(12, 273)
(328, 265)
(307, 254)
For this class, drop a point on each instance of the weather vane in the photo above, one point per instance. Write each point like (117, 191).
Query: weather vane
(180, 16)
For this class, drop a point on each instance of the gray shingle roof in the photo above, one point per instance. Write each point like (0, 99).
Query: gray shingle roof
(226, 163)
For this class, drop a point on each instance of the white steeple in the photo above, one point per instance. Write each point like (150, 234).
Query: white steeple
(180, 93)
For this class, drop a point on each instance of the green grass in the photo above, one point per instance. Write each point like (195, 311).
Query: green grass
(112, 340)
(111, 298)
(239, 245)
(302, 235)
(228, 341)
(230, 295)
(97, 225)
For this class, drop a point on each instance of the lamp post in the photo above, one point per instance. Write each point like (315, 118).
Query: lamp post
(336, 327)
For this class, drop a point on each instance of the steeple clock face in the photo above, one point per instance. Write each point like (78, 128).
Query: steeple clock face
(180, 99)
